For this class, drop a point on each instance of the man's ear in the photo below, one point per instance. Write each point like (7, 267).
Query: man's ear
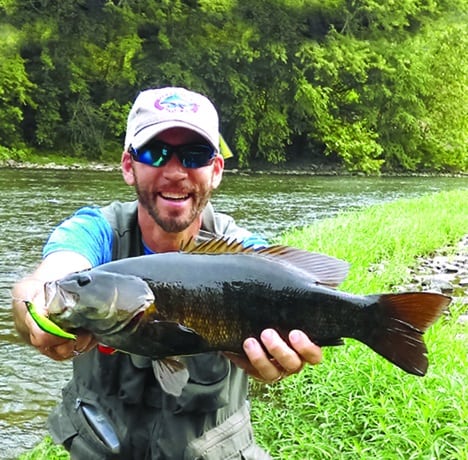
(218, 168)
(127, 169)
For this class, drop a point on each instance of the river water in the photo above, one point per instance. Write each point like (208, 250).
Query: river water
(32, 202)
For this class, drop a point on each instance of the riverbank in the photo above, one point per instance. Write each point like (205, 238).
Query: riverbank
(445, 271)
(260, 168)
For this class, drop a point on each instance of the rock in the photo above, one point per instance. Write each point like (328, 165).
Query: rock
(438, 282)
(450, 268)
(443, 272)
(463, 319)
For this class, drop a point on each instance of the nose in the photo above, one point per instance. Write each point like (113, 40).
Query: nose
(173, 169)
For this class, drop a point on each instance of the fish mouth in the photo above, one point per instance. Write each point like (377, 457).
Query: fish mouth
(57, 300)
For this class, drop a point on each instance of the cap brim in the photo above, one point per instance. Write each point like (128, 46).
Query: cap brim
(150, 131)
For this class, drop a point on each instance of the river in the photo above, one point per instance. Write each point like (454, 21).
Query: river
(32, 202)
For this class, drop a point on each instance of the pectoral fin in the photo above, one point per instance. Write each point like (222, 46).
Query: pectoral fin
(174, 339)
(171, 374)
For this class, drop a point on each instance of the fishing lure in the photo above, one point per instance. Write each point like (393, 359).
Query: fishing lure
(46, 324)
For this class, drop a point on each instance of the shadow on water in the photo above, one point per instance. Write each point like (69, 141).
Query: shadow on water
(32, 202)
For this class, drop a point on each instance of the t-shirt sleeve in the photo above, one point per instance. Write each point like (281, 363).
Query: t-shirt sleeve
(87, 233)
(254, 240)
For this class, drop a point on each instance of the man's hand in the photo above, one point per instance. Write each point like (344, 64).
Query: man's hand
(31, 288)
(50, 345)
(284, 360)
(58, 348)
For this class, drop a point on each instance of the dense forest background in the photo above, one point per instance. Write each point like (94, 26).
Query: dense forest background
(372, 85)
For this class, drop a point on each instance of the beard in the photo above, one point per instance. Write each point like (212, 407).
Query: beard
(173, 223)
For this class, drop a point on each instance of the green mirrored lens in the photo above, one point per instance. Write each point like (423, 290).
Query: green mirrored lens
(158, 153)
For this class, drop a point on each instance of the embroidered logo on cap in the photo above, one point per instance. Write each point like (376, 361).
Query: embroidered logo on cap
(175, 103)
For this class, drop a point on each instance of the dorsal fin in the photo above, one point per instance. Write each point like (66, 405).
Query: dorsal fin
(221, 245)
(324, 269)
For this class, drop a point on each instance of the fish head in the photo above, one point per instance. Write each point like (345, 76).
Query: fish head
(98, 301)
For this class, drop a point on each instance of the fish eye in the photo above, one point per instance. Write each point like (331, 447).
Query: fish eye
(83, 280)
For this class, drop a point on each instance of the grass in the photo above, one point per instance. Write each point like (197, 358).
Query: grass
(356, 405)
(46, 450)
(387, 238)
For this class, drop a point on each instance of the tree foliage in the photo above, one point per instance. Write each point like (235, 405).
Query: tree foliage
(374, 85)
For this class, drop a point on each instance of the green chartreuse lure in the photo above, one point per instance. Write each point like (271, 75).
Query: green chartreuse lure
(46, 324)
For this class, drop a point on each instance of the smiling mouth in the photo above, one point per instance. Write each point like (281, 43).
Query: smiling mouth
(174, 196)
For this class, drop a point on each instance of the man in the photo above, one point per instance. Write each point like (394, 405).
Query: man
(114, 406)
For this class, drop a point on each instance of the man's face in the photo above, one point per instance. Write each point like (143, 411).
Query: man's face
(172, 195)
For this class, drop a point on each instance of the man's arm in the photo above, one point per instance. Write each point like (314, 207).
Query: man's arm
(54, 266)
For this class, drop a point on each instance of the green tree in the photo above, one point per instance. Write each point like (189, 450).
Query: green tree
(373, 85)
(15, 92)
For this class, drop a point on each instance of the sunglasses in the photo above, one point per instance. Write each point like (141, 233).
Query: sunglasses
(157, 154)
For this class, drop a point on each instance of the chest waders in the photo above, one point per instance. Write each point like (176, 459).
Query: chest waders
(113, 407)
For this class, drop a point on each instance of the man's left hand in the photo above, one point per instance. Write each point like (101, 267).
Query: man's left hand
(283, 359)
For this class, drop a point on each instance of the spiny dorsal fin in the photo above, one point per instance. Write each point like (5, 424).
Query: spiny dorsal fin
(216, 246)
(324, 269)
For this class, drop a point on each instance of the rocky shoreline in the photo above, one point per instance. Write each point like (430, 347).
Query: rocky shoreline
(445, 271)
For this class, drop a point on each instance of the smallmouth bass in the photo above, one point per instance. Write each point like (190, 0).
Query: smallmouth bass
(211, 297)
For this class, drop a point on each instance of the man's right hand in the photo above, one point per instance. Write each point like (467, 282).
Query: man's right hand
(32, 289)
(58, 348)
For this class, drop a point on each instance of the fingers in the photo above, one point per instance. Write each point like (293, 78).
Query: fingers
(59, 352)
(67, 349)
(55, 347)
(276, 359)
(266, 368)
(50, 345)
(60, 349)
(244, 363)
(309, 352)
(84, 342)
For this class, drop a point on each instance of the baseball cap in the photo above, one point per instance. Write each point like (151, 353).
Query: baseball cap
(156, 110)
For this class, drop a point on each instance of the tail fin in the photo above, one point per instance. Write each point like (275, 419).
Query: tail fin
(402, 320)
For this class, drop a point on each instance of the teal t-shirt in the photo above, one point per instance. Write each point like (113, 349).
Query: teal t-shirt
(88, 233)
